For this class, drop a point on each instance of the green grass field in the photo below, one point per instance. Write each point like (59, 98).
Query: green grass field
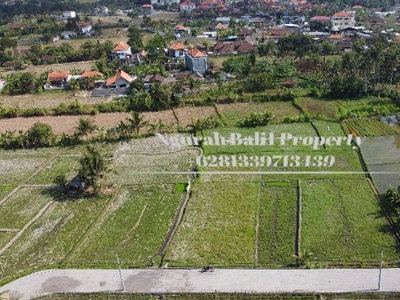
(231, 220)
(21, 207)
(219, 224)
(277, 227)
(134, 225)
(342, 221)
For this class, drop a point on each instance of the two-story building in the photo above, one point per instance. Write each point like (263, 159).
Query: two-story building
(187, 6)
(196, 61)
(343, 18)
(121, 51)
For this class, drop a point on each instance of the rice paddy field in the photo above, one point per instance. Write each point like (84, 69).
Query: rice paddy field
(255, 206)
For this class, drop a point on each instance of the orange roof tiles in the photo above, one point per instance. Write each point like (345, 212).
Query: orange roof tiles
(336, 37)
(120, 74)
(194, 52)
(57, 76)
(343, 14)
(122, 46)
(87, 74)
(177, 46)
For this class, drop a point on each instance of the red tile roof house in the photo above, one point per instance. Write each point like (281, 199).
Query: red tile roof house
(57, 80)
(187, 6)
(196, 61)
(122, 51)
(176, 50)
(120, 80)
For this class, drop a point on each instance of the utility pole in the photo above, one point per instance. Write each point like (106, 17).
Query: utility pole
(380, 271)
(120, 273)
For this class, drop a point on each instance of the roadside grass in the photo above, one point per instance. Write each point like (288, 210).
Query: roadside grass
(51, 237)
(223, 296)
(60, 165)
(237, 111)
(277, 227)
(21, 207)
(343, 222)
(218, 227)
(48, 99)
(134, 226)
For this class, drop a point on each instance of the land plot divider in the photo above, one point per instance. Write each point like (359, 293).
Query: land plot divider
(297, 244)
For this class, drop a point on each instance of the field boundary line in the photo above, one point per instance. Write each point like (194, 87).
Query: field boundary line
(27, 225)
(10, 194)
(9, 230)
(180, 212)
(138, 221)
(257, 219)
(178, 122)
(297, 243)
(90, 228)
(41, 168)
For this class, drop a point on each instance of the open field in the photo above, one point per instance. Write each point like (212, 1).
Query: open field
(325, 108)
(134, 226)
(343, 222)
(219, 224)
(368, 127)
(237, 220)
(21, 207)
(235, 112)
(277, 231)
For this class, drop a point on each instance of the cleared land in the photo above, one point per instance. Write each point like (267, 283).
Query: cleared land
(343, 222)
(277, 231)
(235, 112)
(134, 226)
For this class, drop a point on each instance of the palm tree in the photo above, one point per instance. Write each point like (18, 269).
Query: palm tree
(160, 127)
(85, 127)
(136, 123)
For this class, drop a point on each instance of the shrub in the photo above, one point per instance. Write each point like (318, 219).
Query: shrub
(255, 119)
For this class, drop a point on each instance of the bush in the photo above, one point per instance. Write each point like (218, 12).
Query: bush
(35, 112)
(40, 135)
(256, 119)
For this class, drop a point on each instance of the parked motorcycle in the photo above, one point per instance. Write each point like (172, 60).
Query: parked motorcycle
(207, 268)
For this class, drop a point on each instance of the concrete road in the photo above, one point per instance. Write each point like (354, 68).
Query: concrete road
(194, 281)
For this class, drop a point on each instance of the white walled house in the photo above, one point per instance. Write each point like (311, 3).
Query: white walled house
(164, 2)
(343, 18)
(122, 51)
(120, 80)
(69, 14)
(187, 6)
(85, 28)
(176, 50)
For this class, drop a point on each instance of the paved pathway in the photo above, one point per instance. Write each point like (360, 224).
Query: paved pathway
(191, 280)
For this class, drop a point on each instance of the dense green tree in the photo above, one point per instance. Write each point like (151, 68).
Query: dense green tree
(296, 44)
(94, 165)
(40, 135)
(135, 39)
(155, 48)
